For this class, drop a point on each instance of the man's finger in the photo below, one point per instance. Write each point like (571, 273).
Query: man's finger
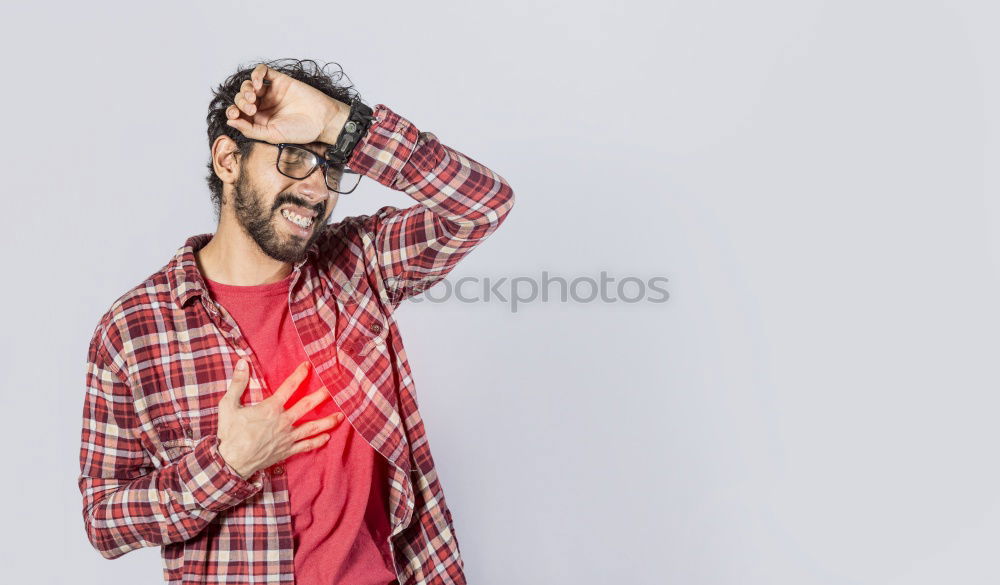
(258, 75)
(307, 403)
(241, 375)
(240, 125)
(287, 388)
(255, 131)
(255, 76)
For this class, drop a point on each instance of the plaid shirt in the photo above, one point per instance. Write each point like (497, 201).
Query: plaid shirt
(161, 358)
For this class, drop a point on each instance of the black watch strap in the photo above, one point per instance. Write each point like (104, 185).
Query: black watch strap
(358, 121)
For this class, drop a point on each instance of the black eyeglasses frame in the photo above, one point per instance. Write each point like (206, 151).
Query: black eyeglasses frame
(318, 161)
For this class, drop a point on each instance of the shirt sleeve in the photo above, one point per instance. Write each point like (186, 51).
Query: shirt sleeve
(127, 502)
(459, 203)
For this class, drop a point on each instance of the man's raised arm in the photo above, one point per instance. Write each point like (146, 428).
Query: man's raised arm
(459, 203)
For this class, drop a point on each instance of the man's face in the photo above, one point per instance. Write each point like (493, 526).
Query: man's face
(262, 194)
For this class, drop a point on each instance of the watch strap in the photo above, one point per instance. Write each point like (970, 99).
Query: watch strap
(358, 121)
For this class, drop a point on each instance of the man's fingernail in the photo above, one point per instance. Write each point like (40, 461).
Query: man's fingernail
(241, 365)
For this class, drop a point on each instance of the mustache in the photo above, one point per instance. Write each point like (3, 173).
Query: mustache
(283, 199)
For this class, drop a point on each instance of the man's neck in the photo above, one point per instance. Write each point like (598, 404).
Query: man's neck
(232, 257)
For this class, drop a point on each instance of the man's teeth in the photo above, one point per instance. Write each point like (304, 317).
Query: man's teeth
(297, 219)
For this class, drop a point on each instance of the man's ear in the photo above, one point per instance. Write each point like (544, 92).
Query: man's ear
(226, 159)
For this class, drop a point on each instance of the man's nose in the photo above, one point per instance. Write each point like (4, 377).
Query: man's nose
(313, 187)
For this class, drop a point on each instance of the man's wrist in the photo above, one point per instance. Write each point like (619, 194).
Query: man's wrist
(336, 118)
(233, 464)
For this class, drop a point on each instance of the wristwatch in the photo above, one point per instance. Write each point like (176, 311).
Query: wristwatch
(358, 121)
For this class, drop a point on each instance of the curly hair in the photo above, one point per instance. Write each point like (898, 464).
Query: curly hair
(306, 71)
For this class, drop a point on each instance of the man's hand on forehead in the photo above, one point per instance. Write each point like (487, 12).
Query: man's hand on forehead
(276, 108)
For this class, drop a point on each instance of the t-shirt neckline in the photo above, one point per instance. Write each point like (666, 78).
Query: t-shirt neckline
(270, 289)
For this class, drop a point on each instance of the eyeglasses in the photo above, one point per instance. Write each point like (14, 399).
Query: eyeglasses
(297, 162)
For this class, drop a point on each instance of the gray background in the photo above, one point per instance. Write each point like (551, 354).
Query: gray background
(817, 180)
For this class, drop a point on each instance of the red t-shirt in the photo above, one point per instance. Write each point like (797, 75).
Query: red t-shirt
(338, 491)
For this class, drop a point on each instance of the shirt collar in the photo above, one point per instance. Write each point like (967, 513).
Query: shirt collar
(185, 278)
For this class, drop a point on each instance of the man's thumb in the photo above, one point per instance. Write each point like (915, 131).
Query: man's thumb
(239, 382)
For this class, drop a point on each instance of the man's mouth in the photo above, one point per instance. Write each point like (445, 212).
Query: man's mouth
(300, 224)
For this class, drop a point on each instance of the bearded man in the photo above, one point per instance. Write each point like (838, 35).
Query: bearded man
(249, 406)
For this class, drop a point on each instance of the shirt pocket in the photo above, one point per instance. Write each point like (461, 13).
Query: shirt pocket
(372, 338)
(365, 330)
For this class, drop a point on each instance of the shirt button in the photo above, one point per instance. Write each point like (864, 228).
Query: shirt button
(278, 470)
(376, 329)
(189, 433)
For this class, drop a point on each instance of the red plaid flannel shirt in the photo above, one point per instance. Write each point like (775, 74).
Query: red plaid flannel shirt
(162, 356)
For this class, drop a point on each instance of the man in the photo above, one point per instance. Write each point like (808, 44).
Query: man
(249, 406)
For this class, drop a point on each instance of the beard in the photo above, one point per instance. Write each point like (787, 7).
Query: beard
(261, 222)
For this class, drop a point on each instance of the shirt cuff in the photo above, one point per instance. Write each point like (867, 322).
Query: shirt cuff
(385, 148)
(214, 483)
